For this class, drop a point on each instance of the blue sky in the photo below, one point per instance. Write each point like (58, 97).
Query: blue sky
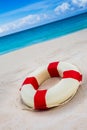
(19, 15)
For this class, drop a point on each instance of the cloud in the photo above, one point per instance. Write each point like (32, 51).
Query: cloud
(62, 8)
(80, 3)
(26, 17)
(38, 6)
(28, 21)
(39, 13)
(34, 7)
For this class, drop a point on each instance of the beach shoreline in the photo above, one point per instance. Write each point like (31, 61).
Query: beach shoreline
(16, 65)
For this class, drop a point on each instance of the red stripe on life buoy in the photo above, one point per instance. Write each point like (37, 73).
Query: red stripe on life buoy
(39, 99)
(72, 74)
(32, 81)
(52, 69)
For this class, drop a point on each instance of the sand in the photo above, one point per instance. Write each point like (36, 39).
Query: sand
(15, 66)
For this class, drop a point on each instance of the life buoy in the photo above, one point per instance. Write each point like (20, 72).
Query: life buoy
(60, 93)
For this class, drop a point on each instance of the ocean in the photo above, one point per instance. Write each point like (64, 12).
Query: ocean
(42, 33)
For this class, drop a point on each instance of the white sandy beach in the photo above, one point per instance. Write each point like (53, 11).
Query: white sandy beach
(15, 66)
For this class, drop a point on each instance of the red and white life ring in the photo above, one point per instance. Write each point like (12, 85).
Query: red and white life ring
(56, 95)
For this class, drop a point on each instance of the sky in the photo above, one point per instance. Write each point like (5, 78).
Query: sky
(20, 15)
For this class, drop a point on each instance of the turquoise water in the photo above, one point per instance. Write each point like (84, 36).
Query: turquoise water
(42, 33)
